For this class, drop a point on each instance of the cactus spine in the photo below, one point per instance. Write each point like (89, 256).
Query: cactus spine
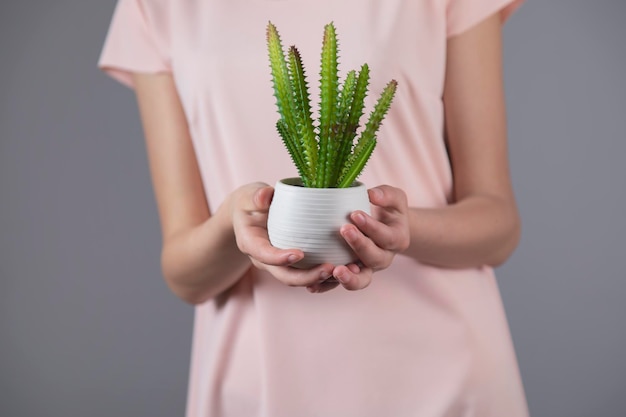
(325, 155)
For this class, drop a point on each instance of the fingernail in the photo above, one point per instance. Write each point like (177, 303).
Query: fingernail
(343, 278)
(293, 258)
(324, 275)
(350, 234)
(359, 219)
(377, 192)
(257, 198)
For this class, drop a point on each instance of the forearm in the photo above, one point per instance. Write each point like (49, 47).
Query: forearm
(477, 231)
(203, 261)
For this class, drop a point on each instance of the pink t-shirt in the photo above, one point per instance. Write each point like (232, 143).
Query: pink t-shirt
(420, 341)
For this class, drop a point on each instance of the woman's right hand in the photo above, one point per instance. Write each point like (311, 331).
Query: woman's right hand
(249, 209)
(201, 256)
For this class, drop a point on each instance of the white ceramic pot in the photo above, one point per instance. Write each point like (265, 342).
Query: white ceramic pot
(309, 219)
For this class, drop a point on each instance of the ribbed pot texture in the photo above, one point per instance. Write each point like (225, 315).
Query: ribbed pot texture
(309, 219)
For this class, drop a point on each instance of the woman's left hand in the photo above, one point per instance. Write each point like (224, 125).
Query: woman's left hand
(375, 239)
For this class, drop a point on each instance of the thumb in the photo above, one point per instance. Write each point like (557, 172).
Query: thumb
(262, 198)
(387, 197)
(377, 196)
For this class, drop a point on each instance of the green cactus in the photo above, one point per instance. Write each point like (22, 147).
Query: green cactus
(325, 155)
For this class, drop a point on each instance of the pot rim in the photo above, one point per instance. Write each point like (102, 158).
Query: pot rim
(296, 182)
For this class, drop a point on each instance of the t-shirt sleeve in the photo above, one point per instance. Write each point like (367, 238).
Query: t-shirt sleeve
(137, 41)
(464, 14)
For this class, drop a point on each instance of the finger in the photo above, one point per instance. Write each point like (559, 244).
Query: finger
(387, 197)
(263, 198)
(257, 246)
(323, 286)
(365, 249)
(352, 281)
(383, 235)
(294, 277)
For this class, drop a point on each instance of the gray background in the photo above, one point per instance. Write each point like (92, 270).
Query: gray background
(87, 326)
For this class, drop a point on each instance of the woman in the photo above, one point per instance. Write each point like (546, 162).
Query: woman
(427, 334)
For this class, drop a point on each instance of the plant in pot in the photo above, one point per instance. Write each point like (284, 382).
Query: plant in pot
(307, 211)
